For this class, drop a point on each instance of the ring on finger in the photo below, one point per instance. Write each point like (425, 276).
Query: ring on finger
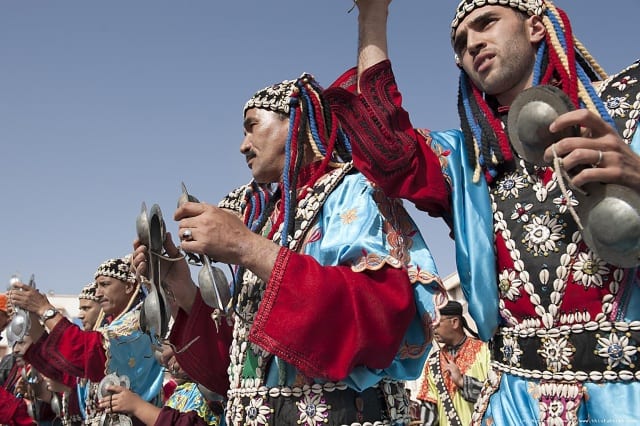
(187, 235)
(599, 160)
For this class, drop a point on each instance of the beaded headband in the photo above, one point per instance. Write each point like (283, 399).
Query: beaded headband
(116, 268)
(465, 7)
(275, 98)
(88, 292)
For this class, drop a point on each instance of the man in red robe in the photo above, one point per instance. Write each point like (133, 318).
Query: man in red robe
(65, 352)
(334, 288)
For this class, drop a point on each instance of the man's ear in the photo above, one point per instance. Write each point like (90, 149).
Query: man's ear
(536, 28)
(458, 322)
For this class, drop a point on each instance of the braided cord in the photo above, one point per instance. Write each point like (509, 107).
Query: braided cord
(317, 142)
(595, 66)
(538, 66)
(470, 127)
(295, 116)
(586, 95)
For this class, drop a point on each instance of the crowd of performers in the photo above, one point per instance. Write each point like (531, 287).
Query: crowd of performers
(333, 300)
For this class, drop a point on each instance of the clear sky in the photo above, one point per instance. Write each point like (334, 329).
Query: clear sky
(104, 105)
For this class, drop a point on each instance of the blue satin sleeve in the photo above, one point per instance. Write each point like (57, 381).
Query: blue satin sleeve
(517, 403)
(351, 228)
(473, 233)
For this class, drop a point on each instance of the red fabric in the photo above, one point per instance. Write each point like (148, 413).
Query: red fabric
(37, 356)
(167, 389)
(325, 320)
(70, 351)
(386, 148)
(211, 345)
(171, 417)
(13, 410)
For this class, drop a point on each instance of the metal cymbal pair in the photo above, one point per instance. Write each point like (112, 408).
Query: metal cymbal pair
(20, 324)
(111, 418)
(151, 230)
(609, 214)
(213, 284)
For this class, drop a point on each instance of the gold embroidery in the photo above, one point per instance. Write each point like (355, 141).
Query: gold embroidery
(349, 216)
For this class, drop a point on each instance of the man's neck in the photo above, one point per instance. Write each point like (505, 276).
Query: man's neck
(456, 347)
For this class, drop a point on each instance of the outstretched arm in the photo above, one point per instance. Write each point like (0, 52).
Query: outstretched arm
(385, 146)
(372, 33)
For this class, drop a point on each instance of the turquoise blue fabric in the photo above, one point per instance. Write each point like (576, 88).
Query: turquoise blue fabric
(131, 354)
(187, 397)
(344, 245)
(517, 403)
(513, 403)
(473, 233)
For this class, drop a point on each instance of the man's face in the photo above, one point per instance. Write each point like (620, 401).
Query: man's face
(88, 311)
(445, 331)
(496, 46)
(265, 136)
(114, 294)
(20, 348)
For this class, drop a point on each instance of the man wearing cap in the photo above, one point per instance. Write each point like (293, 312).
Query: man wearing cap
(63, 352)
(454, 374)
(88, 306)
(334, 287)
(564, 322)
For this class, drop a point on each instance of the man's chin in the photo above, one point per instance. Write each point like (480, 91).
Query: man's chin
(106, 308)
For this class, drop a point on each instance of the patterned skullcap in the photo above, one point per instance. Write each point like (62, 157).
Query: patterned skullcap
(119, 268)
(465, 7)
(273, 98)
(88, 292)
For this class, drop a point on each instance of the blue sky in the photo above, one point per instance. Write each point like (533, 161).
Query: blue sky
(104, 105)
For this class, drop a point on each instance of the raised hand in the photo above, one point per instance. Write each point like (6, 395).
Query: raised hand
(598, 155)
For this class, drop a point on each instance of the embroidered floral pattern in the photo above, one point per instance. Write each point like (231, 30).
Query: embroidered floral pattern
(509, 285)
(313, 410)
(258, 412)
(511, 351)
(559, 403)
(617, 350)
(349, 216)
(617, 105)
(521, 212)
(589, 270)
(555, 411)
(440, 152)
(542, 234)
(563, 203)
(624, 82)
(511, 185)
(373, 261)
(557, 353)
(542, 189)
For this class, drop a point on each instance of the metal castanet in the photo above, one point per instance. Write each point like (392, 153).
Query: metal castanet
(608, 215)
(20, 323)
(213, 284)
(151, 230)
